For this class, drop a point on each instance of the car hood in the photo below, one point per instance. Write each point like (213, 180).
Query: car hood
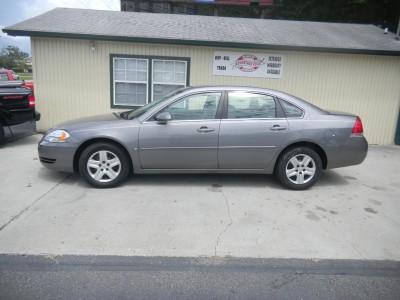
(107, 120)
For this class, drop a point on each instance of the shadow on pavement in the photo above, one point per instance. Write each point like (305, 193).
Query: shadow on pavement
(21, 134)
(22, 140)
(214, 181)
(331, 178)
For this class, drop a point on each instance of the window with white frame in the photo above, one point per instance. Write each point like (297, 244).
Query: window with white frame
(130, 81)
(140, 80)
(168, 75)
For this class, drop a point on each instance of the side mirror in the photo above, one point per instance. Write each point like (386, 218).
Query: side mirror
(163, 117)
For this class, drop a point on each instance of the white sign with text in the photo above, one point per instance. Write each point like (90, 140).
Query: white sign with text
(246, 64)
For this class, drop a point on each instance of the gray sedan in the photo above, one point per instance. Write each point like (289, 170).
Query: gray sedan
(209, 130)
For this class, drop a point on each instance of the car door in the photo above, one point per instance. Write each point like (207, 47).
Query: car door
(189, 140)
(251, 131)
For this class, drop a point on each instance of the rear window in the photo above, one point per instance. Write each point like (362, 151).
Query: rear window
(3, 77)
(291, 110)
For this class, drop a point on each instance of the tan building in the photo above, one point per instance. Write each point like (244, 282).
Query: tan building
(88, 62)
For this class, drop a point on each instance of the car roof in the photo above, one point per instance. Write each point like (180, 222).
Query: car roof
(237, 88)
(285, 96)
(227, 87)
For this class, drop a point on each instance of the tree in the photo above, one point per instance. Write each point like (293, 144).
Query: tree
(11, 57)
(379, 12)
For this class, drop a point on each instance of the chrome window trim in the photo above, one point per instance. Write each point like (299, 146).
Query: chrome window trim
(255, 119)
(182, 121)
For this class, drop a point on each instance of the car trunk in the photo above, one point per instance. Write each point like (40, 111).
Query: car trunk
(339, 113)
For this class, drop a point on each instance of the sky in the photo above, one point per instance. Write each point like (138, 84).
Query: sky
(14, 11)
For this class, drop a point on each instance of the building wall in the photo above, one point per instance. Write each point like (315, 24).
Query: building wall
(72, 80)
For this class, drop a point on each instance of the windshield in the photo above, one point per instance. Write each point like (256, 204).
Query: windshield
(134, 113)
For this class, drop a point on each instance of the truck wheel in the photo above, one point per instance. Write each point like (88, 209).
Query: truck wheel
(299, 168)
(104, 165)
(2, 138)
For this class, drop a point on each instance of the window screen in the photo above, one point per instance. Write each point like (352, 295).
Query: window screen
(138, 81)
(168, 75)
(249, 105)
(130, 81)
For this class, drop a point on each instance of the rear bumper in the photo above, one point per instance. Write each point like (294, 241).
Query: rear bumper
(353, 152)
(57, 156)
(19, 116)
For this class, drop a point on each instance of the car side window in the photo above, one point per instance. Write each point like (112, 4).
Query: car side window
(3, 77)
(249, 105)
(195, 107)
(291, 110)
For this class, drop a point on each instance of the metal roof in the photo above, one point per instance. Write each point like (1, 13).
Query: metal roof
(209, 31)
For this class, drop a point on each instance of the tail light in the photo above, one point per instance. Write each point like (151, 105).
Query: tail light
(358, 127)
(31, 99)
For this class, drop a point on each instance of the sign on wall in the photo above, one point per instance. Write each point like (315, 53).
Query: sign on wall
(246, 64)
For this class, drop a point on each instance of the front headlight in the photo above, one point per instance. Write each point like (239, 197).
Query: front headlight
(57, 136)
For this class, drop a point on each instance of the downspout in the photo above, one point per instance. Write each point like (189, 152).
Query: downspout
(397, 136)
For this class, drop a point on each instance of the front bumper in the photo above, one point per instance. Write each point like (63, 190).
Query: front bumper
(57, 156)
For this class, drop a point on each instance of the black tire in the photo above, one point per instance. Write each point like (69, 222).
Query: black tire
(111, 150)
(284, 162)
(2, 138)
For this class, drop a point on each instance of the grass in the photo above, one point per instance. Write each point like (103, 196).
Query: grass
(25, 76)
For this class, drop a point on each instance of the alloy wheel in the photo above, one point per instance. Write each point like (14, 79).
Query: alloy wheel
(103, 166)
(300, 169)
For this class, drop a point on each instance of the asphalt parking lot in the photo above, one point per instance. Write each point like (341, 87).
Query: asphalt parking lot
(352, 213)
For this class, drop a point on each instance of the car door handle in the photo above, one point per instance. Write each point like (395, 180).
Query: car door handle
(277, 127)
(205, 129)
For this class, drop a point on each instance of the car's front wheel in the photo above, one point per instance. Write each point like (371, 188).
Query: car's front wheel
(299, 168)
(104, 165)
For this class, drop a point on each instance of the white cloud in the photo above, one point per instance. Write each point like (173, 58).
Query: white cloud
(21, 42)
(32, 8)
(35, 7)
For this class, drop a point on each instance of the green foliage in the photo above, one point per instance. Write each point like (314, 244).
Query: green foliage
(11, 57)
(25, 76)
(379, 12)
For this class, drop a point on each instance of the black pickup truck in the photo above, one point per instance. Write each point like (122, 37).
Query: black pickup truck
(17, 105)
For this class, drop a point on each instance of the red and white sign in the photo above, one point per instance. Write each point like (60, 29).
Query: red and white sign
(248, 64)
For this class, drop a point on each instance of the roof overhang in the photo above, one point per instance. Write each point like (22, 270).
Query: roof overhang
(224, 44)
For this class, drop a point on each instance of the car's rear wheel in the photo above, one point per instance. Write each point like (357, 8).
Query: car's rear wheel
(104, 165)
(299, 168)
(2, 138)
